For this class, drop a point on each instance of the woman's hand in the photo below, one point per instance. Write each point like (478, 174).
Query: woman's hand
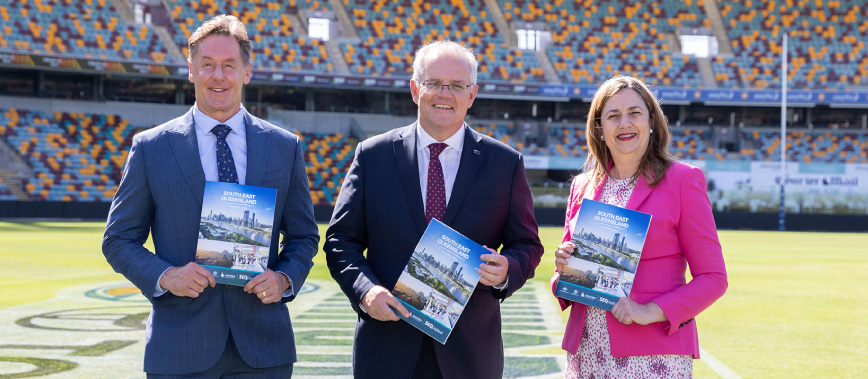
(628, 311)
(565, 250)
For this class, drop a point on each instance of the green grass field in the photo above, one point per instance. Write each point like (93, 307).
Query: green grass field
(793, 308)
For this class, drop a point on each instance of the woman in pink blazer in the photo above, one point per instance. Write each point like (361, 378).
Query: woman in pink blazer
(651, 333)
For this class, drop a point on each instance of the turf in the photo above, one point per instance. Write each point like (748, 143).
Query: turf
(37, 259)
(793, 307)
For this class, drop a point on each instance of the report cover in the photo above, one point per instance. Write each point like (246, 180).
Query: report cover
(609, 242)
(439, 279)
(235, 231)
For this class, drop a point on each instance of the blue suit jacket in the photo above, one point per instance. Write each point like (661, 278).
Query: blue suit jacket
(161, 194)
(380, 209)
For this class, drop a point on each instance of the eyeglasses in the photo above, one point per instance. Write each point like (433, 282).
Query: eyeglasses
(455, 88)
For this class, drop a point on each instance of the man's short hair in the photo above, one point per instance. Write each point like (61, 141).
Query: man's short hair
(437, 48)
(223, 25)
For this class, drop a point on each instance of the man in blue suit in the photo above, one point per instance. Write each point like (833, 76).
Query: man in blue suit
(438, 167)
(198, 329)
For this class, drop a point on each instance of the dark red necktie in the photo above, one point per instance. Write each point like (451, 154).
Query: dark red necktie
(435, 195)
(225, 164)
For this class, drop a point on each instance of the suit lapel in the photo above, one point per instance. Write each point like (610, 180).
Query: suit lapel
(640, 193)
(258, 145)
(598, 191)
(408, 168)
(185, 147)
(472, 155)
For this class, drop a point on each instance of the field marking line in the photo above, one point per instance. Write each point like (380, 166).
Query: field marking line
(717, 366)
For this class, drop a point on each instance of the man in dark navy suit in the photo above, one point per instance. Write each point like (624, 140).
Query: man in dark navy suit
(438, 167)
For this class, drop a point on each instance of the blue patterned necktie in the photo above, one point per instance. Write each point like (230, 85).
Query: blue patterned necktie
(225, 164)
(435, 193)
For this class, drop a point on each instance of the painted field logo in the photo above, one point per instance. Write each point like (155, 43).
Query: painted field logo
(98, 331)
(308, 288)
(127, 293)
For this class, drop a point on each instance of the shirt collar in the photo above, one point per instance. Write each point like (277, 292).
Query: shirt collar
(423, 139)
(205, 123)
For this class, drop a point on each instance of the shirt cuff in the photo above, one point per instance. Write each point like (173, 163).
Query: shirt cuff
(289, 291)
(503, 285)
(159, 291)
(362, 307)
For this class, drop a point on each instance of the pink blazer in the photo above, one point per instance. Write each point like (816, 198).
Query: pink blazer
(682, 233)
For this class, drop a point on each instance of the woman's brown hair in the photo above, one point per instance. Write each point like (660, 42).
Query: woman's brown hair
(657, 158)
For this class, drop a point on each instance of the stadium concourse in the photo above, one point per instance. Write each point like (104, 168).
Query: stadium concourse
(79, 78)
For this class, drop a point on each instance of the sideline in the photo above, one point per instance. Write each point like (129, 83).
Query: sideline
(717, 366)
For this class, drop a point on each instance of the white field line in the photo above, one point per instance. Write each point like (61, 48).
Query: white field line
(717, 366)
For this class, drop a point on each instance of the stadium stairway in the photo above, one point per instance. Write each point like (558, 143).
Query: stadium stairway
(12, 182)
(508, 32)
(12, 169)
(125, 11)
(347, 28)
(712, 11)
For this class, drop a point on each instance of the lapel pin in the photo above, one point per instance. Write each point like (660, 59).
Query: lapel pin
(477, 152)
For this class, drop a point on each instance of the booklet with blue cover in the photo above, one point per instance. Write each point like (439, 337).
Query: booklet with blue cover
(609, 242)
(439, 279)
(235, 231)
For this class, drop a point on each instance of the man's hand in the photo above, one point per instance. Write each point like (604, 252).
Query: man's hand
(187, 281)
(495, 270)
(268, 286)
(565, 250)
(628, 311)
(378, 303)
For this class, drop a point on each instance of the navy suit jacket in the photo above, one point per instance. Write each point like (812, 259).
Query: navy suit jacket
(380, 209)
(161, 193)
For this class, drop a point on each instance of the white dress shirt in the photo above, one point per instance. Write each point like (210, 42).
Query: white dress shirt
(450, 157)
(236, 139)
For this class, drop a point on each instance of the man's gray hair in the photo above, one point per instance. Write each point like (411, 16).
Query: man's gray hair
(437, 48)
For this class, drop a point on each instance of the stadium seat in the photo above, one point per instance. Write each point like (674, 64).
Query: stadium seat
(328, 157)
(275, 46)
(391, 32)
(808, 146)
(87, 29)
(592, 41)
(826, 44)
(74, 157)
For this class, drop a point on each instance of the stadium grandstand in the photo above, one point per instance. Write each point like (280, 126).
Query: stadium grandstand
(78, 78)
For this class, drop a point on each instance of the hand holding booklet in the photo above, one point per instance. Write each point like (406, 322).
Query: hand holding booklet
(439, 280)
(609, 242)
(235, 231)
